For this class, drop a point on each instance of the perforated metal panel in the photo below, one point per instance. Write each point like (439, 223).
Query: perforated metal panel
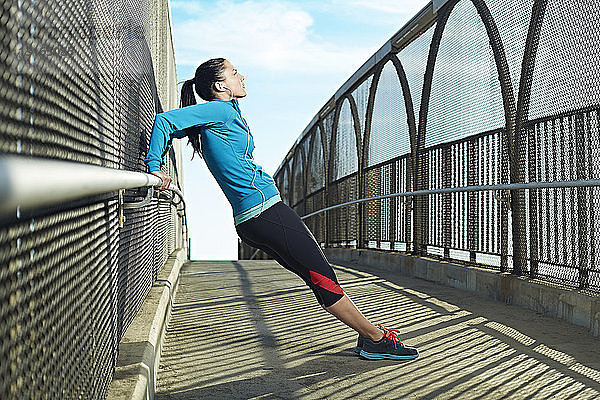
(465, 94)
(82, 81)
(285, 186)
(328, 122)
(361, 98)
(512, 19)
(299, 172)
(315, 194)
(389, 136)
(317, 169)
(566, 73)
(413, 58)
(344, 150)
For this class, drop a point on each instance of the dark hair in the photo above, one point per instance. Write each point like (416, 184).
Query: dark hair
(202, 83)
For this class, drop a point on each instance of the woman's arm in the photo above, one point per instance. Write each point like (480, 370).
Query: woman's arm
(211, 114)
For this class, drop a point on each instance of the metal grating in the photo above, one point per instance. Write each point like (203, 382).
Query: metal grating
(82, 81)
(298, 189)
(512, 19)
(345, 146)
(316, 170)
(389, 136)
(566, 73)
(285, 187)
(465, 94)
(361, 97)
(413, 58)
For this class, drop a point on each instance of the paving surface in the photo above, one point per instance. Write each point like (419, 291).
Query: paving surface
(252, 330)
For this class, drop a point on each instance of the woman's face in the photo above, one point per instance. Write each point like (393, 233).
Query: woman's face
(233, 80)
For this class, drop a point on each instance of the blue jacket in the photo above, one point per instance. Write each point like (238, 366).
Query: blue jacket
(227, 146)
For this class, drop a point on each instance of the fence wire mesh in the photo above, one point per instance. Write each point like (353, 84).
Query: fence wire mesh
(81, 81)
(485, 93)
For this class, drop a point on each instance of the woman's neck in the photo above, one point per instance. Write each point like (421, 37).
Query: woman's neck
(224, 96)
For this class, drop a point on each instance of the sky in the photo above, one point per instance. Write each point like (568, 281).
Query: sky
(295, 55)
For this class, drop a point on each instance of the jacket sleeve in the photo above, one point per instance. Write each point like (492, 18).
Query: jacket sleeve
(169, 124)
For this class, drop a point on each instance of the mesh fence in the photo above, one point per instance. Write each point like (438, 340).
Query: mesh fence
(479, 92)
(81, 81)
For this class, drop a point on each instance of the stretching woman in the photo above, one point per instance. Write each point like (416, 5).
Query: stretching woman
(220, 135)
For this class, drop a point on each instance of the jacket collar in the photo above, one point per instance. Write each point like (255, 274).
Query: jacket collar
(233, 102)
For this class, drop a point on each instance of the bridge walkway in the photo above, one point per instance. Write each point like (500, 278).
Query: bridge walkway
(252, 330)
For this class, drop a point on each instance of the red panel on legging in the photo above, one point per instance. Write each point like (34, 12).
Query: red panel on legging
(325, 282)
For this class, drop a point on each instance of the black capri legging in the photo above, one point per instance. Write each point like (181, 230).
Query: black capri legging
(280, 233)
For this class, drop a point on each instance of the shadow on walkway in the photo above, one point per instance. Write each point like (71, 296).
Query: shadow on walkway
(252, 330)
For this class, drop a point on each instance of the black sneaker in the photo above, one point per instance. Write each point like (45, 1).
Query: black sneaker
(359, 344)
(389, 347)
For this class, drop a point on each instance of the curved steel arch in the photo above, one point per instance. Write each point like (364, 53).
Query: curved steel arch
(515, 116)
(332, 152)
(508, 97)
(504, 78)
(309, 157)
(359, 153)
(332, 143)
(356, 123)
(287, 170)
(510, 117)
(409, 107)
(410, 112)
(325, 169)
(370, 103)
(420, 169)
(443, 15)
(299, 153)
(325, 151)
(518, 168)
(528, 64)
(408, 104)
(357, 132)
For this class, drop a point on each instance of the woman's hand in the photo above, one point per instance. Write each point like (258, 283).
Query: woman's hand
(166, 180)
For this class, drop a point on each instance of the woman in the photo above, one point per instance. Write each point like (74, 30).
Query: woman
(220, 135)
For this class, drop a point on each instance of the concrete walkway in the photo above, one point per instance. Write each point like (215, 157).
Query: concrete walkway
(252, 330)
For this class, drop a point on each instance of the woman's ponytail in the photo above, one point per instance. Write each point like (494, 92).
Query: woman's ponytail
(188, 99)
(206, 75)
(187, 94)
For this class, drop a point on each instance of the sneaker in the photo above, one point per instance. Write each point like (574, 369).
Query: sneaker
(359, 344)
(389, 347)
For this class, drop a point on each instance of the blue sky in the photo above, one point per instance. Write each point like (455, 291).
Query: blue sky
(295, 55)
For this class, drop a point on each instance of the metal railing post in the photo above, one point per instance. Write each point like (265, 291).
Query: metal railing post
(582, 218)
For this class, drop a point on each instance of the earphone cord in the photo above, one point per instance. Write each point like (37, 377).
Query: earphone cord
(262, 205)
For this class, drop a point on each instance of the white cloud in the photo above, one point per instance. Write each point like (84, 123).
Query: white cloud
(275, 36)
(386, 6)
(190, 7)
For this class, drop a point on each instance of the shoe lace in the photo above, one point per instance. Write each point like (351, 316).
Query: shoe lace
(391, 334)
(386, 330)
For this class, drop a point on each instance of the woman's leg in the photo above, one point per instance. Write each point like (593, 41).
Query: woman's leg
(282, 234)
(348, 313)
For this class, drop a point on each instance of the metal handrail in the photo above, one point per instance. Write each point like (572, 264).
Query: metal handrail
(29, 183)
(479, 188)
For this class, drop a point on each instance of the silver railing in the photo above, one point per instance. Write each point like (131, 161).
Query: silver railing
(30, 183)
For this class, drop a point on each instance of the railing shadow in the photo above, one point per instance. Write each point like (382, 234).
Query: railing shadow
(270, 340)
